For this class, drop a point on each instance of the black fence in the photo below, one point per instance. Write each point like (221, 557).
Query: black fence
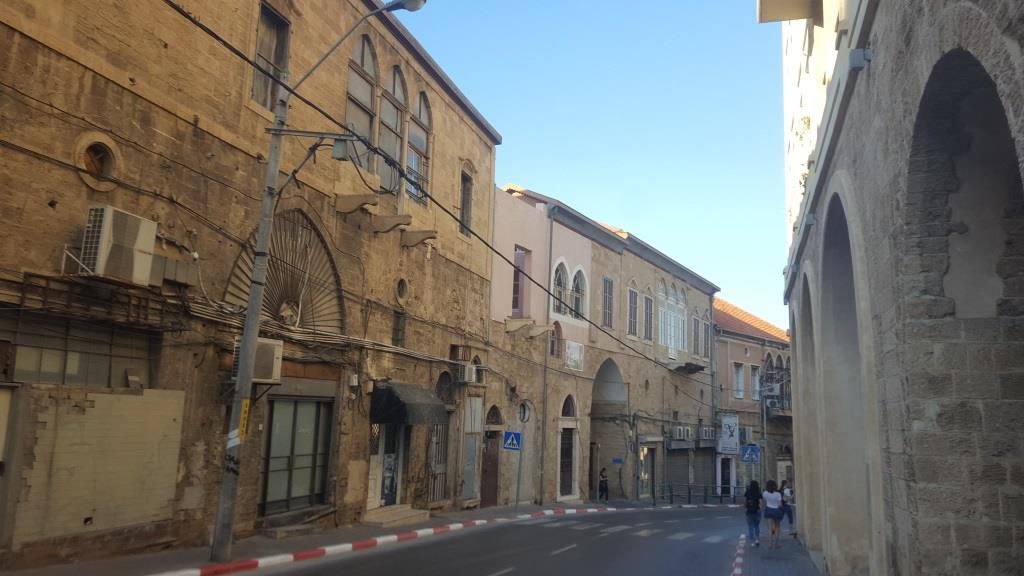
(696, 494)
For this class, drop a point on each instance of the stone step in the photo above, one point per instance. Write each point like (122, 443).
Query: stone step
(399, 515)
(281, 532)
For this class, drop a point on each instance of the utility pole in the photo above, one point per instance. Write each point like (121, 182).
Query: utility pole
(223, 530)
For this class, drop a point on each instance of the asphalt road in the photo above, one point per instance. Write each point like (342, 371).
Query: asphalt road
(624, 543)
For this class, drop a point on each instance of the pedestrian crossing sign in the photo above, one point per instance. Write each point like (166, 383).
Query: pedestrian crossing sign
(513, 441)
(750, 454)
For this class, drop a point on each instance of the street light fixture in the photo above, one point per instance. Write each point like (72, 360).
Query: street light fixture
(223, 531)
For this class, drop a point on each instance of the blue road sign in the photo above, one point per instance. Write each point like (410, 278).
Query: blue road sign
(617, 461)
(750, 454)
(513, 441)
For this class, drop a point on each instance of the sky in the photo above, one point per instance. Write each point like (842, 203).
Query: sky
(662, 117)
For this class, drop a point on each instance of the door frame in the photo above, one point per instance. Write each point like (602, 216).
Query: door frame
(265, 456)
(566, 423)
(718, 471)
(491, 438)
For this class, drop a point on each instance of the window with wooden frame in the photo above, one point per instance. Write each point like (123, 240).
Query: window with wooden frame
(607, 302)
(360, 110)
(632, 305)
(271, 55)
(648, 317)
(466, 204)
(391, 132)
(418, 151)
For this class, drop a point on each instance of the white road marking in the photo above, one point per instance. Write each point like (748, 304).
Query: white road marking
(562, 524)
(643, 523)
(671, 521)
(601, 535)
(713, 539)
(560, 550)
(647, 532)
(697, 518)
(505, 571)
(681, 536)
(619, 528)
(586, 526)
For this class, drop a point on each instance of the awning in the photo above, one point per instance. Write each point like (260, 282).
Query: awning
(393, 403)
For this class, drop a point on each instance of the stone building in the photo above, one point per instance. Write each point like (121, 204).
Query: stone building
(905, 282)
(753, 365)
(133, 148)
(607, 368)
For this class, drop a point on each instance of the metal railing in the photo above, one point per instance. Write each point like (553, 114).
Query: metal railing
(696, 494)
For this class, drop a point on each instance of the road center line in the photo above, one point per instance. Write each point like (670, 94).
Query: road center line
(560, 550)
(505, 571)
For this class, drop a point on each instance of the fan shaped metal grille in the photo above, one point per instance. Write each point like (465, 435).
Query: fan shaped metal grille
(303, 288)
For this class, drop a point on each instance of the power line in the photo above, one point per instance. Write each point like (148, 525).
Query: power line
(404, 175)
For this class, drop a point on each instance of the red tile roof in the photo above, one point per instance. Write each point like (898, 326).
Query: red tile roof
(735, 319)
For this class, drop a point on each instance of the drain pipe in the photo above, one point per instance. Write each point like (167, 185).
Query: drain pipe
(547, 352)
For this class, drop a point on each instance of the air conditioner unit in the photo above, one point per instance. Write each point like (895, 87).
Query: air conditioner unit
(772, 403)
(267, 367)
(770, 389)
(118, 245)
(466, 372)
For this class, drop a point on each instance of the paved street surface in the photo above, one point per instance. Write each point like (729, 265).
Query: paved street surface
(651, 542)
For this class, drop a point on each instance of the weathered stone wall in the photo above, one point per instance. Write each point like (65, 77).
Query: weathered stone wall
(917, 166)
(189, 152)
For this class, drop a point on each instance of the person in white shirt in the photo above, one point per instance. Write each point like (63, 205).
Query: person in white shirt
(773, 512)
(787, 504)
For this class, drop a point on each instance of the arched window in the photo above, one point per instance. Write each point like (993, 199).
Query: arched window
(560, 289)
(556, 340)
(569, 407)
(392, 116)
(418, 160)
(632, 309)
(494, 416)
(479, 371)
(360, 110)
(770, 375)
(579, 289)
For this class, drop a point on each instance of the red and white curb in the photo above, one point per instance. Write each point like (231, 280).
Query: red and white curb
(347, 547)
(737, 563)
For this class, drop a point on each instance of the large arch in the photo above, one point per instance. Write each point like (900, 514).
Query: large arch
(848, 503)
(609, 430)
(963, 302)
(807, 425)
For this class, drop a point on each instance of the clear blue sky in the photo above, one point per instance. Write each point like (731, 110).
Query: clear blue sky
(666, 122)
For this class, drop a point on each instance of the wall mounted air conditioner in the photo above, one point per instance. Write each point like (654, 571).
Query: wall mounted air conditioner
(772, 403)
(117, 245)
(466, 373)
(267, 367)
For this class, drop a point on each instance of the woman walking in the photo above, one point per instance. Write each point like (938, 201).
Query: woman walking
(773, 512)
(753, 503)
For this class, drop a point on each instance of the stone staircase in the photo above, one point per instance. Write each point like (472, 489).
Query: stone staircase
(398, 515)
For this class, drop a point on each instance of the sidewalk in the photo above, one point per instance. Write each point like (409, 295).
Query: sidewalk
(789, 559)
(260, 546)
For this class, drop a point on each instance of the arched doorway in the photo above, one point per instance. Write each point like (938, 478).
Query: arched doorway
(842, 385)
(807, 428)
(609, 429)
(962, 253)
(490, 473)
(568, 458)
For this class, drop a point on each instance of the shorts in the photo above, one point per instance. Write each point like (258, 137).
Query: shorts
(774, 513)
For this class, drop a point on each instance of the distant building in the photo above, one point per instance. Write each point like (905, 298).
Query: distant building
(753, 364)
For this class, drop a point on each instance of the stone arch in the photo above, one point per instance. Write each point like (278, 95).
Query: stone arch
(303, 288)
(609, 430)
(494, 417)
(848, 504)
(963, 220)
(809, 462)
(569, 407)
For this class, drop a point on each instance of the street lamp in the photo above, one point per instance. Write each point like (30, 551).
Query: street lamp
(220, 549)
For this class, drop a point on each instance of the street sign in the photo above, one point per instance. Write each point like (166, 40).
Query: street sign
(750, 454)
(513, 441)
(617, 461)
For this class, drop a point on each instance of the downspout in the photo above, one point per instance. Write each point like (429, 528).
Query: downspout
(547, 351)
(714, 372)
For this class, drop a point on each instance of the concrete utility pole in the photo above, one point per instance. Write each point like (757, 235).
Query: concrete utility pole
(223, 530)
